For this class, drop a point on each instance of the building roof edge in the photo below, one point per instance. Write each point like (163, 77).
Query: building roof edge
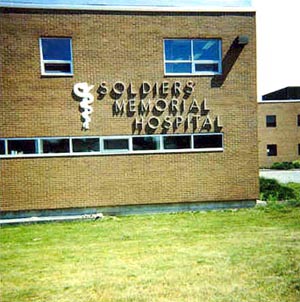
(4, 4)
(278, 101)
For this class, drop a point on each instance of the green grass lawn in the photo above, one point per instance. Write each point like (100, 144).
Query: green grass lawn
(246, 255)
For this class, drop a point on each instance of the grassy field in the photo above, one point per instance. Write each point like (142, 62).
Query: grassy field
(246, 255)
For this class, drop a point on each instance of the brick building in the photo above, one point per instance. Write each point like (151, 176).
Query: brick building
(123, 108)
(279, 126)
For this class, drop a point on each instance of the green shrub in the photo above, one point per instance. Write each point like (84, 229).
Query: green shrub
(286, 165)
(272, 190)
(296, 164)
(282, 165)
(286, 193)
(296, 187)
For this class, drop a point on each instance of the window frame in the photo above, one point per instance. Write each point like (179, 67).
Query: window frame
(207, 134)
(43, 61)
(16, 152)
(40, 152)
(155, 139)
(115, 138)
(271, 124)
(72, 144)
(3, 143)
(165, 141)
(192, 61)
(268, 150)
(43, 145)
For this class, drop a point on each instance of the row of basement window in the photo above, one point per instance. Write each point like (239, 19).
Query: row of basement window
(55, 146)
(181, 56)
(271, 121)
(272, 150)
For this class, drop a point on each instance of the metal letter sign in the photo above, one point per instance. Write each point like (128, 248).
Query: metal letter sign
(82, 90)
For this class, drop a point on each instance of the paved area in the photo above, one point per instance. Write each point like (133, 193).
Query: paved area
(64, 215)
(281, 176)
(35, 219)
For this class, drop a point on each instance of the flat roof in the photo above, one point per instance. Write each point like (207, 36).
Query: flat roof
(287, 93)
(278, 101)
(135, 5)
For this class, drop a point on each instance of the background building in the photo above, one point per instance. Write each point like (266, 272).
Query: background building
(279, 126)
(109, 107)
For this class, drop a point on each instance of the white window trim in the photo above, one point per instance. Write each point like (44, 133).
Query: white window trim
(43, 62)
(101, 151)
(193, 62)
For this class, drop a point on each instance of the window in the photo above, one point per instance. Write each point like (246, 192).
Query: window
(271, 120)
(60, 145)
(196, 56)
(271, 150)
(2, 146)
(104, 145)
(298, 149)
(116, 144)
(298, 120)
(208, 141)
(177, 142)
(56, 56)
(85, 145)
(26, 146)
(145, 143)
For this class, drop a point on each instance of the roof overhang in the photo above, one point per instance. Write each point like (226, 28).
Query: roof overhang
(146, 8)
(265, 102)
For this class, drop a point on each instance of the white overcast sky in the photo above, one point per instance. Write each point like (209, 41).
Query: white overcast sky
(278, 37)
(278, 44)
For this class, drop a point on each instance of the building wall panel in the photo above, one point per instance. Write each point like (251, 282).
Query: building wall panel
(127, 47)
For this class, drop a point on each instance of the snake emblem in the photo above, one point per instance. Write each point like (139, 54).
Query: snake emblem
(82, 90)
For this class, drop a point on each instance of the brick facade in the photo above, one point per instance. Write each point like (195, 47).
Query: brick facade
(128, 47)
(286, 134)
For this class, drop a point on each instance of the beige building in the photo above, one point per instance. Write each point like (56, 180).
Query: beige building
(115, 109)
(279, 126)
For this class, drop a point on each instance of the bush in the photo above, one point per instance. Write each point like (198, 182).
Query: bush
(282, 165)
(272, 190)
(296, 164)
(286, 165)
(296, 187)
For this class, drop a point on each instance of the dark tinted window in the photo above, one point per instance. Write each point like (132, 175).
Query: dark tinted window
(85, 144)
(271, 120)
(55, 145)
(272, 150)
(177, 142)
(116, 144)
(145, 143)
(58, 67)
(2, 147)
(208, 141)
(22, 146)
